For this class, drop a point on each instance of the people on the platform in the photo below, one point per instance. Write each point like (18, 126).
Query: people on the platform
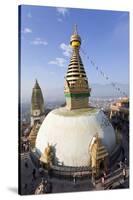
(47, 186)
(74, 179)
(104, 175)
(103, 180)
(120, 164)
(93, 179)
(124, 173)
(125, 161)
(25, 145)
(40, 188)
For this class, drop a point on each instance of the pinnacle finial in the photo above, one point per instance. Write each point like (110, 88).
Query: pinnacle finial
(75, 40)
(75, 30)
(36, 81)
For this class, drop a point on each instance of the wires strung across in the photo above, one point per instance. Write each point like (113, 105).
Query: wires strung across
(103, 74)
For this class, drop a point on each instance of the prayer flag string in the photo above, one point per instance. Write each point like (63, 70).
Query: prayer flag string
(93, 63)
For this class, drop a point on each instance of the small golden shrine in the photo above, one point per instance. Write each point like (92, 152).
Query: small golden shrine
(47, 156)
(99, 155)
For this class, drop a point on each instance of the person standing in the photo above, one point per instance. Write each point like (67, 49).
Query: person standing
(120, 164)
(74, 179)
(103, 181)
(124, 173)
(125, 161)
(93, 180)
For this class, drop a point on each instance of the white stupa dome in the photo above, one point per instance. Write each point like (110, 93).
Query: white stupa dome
(71, 133)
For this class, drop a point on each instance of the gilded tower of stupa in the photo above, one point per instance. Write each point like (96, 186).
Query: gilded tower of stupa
(76, 89)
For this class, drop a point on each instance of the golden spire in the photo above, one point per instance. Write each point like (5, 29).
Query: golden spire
(76, 88)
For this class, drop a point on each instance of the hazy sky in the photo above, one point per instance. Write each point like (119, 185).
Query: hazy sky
(45, 51)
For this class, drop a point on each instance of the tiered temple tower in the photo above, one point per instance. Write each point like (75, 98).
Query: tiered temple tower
(37, 105)
(76, 88)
